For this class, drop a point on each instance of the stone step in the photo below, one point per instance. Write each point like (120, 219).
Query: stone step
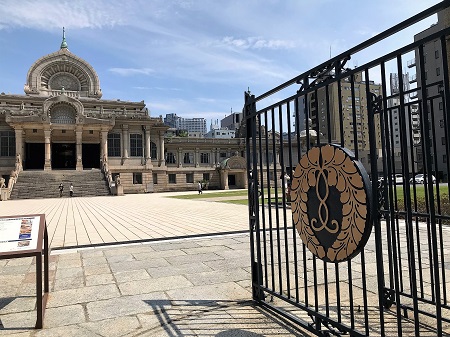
(45, 184)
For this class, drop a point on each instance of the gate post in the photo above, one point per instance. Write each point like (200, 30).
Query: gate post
(252, 177)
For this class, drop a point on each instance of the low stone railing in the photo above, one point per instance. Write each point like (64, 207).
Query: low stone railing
(115, 186)
(5, 192)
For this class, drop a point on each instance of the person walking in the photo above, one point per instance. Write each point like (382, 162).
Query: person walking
(200, 188)
(71, 189)
(61, 189)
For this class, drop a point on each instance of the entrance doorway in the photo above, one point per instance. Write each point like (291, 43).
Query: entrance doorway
(63, 156)
(34, 156)
(91, 156)
(231, 180)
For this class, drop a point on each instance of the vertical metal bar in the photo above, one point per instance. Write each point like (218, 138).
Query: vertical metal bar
(284, 189)
(250, 110)
(341, 118)
(277, 214)
(446, 116)
(407, 193)
(261, 187)
(269, 191)
(350, 293)
(435, 258)
(364, 291)
(355, 131)
(294, 234)
(305, 269)
(390, 222)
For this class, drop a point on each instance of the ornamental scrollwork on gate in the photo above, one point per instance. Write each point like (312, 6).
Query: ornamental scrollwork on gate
(330, 200)
(328, 71)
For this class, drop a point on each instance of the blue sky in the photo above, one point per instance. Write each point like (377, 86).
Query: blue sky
(195, 58)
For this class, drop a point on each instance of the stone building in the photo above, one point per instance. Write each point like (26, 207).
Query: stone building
(62, 123)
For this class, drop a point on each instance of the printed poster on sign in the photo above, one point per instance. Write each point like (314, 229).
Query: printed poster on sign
(18, 234)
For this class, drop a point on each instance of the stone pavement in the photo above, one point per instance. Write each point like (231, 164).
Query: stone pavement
(187, 287)
(195, 286)
(74, 222)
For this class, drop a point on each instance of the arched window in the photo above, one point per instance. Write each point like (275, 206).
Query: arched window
(62, 114)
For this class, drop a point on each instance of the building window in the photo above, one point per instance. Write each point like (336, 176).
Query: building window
(188, 158)
(171, 158)
(7, 144)
(190, 178)
(438, 71)
(441, 106)
(436, 54)
(114, 145)
(205, 176)
(136, 145)
(444, 158)
(155, 179)
(153, 151)
(223, 154)
(137, 178)
(204, 158)
(172, 178)
(443, 140)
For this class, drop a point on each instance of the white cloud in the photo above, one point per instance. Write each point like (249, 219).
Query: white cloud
(48, 15)
(131, 71)
(257, 43)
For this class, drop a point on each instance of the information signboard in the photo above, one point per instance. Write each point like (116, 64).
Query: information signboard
(25, 236)
(19, 234)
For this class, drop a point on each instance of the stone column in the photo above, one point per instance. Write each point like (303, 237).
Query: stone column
(79, 146)
(148, 152)
(162, 160)
(212, 159)
(104, 146)
(19, 141)
(125, 142)
(180, 157)
(197, 157)
(48, 154)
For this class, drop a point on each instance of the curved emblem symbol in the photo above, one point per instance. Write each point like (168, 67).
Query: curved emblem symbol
(330, 198)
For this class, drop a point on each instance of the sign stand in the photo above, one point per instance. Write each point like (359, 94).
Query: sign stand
(22, 236)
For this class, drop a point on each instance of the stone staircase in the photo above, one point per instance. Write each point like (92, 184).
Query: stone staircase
(44, 184)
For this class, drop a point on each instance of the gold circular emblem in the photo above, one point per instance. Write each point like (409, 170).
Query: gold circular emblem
(330, 199)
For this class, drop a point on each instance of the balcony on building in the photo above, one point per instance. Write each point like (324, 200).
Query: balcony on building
(413, 78)
(411, 63)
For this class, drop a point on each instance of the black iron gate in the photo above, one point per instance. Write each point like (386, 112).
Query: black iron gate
(351, 238)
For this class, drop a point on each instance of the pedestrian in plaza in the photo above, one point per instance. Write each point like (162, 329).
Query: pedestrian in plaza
(200, 188)
(71, 189)
(61, 189)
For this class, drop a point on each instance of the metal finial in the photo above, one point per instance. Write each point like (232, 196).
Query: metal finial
(64, 43)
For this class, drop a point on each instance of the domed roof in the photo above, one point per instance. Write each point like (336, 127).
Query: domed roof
(62, 71)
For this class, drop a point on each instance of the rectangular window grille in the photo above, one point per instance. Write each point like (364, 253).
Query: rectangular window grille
(136, 145)
(114, 145)
(170, 158)
(206, 176)
(223, 154)
(188, 158)
(137, 178)
(155, 179)
(7, 144)
(153, 151)
(204, 158)
(172, 178)
(190, 178)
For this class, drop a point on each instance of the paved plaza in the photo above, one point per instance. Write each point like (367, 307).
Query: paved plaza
(74, 222)
(194, 286)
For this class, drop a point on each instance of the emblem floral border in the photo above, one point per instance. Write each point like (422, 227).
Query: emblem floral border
(344, 174)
